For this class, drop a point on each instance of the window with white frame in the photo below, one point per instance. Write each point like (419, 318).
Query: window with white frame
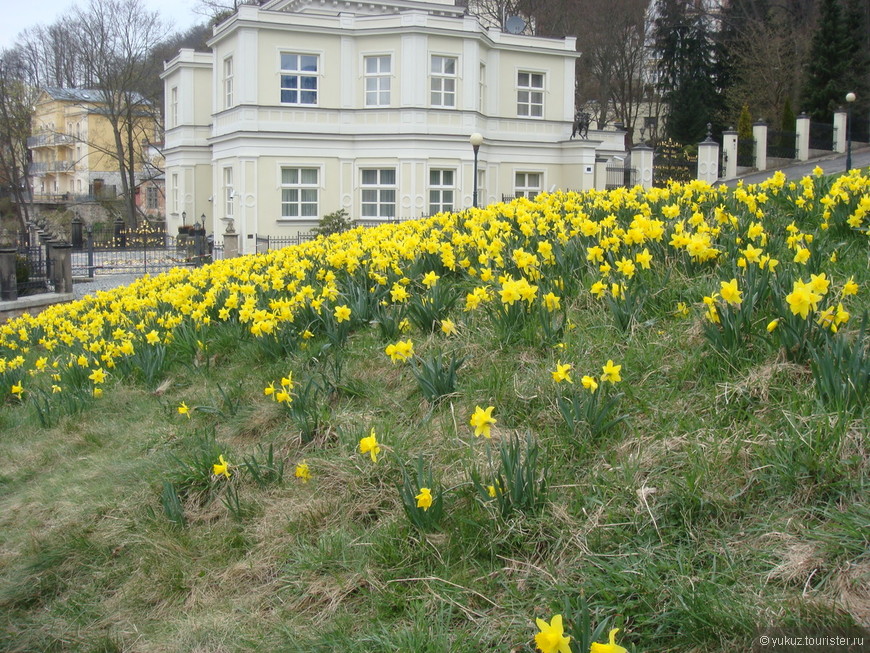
(173, 106)
(443, 81)
(150, 198)
(175, 192)
(530, 94)
(527, 184)
(377, 76)
(299, 78)
(229, 192)
(441, 190)
(378, 197)
(228, 82)
(481, 89)
(299, 189)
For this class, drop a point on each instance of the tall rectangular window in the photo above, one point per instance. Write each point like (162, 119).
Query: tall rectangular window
(378, 198)
(229, 192)
(481, 89)
(228, 82)
(377, 76)
(299, 78)
(173, 106)
(527, 184)
(150, 198)
(175, 192)
(530, 94)
(299, 188)
(443, 82)
(441, 190)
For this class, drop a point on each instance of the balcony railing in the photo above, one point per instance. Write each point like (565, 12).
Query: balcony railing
(106, 193)
(50, 140)
(43, 167)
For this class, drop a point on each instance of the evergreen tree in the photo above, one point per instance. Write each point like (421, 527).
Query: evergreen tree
(685, 50)
(825, 86)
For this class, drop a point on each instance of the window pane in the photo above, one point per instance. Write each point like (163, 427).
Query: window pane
(309, 63)
(538, 80)
(450, 66)
(308, 97)
(309, 194)
(309, 175)
(288, 61)
(523, 79)
(447, 177)
(290, 195)
(289, 81)
(371, 65)
(309, 82)
(369, 196)
(289, 175)
(434, 178)
(388, 177)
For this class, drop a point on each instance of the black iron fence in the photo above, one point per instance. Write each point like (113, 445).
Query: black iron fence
(822, 136)
(746, 153)
(781, 144)
(620, 177)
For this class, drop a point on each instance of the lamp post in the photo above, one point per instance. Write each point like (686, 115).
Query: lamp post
(475, 139)
(850, 100)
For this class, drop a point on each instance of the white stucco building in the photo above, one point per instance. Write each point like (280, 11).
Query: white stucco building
(304, 107)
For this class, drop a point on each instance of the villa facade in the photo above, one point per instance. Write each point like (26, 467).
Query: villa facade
(305, 107)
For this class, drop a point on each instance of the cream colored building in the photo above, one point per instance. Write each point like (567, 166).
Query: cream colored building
(71, 138)
(304, 107)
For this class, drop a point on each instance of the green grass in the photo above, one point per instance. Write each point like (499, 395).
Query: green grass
(729, 502)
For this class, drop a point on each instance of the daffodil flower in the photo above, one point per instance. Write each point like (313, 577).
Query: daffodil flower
(221, 467)
(370, 446)
(552, 638)
(482, 420)
(424, 499)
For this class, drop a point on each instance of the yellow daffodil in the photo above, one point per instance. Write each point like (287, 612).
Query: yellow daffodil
(610, 647)
(184, 410)
(611, 372)
(850, 287)
(448, 327)
(370, 446)
(303, 472)
(589, 383)
(552, 638)
(482, 421)
(222, 467)
(424, 499)
(98, 375)
(18, 389)
(730, 293)
(771, 326)
(430, 279)
(561, 373)
(342, 314)
(401, 352)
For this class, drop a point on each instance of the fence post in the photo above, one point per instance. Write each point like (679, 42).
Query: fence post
(759, 133)
(840, 131)
(90, 233)
(231, 241)
(62, 267)
(199, 243)
(120, 233)
(45, 251)
(708, 158)
(76, 229)
(8, 276)
(802, 136)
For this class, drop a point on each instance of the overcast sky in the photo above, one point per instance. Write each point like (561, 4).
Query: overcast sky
(18, 15)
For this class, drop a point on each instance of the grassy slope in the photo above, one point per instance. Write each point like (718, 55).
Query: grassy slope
(730, 501)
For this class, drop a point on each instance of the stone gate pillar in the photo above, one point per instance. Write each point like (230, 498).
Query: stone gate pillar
(802, 136)
(708, 159)
(840, 131)
(8, 277)
(642, 159)
(729, 154)
(759, 133)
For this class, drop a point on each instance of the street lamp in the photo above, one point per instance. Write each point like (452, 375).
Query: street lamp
(475, 139)
(850, 100)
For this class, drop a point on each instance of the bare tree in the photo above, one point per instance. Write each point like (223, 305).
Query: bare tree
(16, 111)
(113, 42)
